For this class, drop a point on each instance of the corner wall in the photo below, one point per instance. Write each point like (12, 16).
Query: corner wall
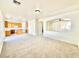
(2, 34)
(71, 36)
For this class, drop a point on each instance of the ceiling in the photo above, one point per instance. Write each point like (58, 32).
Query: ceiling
(27, 7)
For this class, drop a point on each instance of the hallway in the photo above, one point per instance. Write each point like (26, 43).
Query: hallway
(26, 45)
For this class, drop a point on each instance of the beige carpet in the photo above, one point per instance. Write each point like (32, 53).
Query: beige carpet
(31, 46)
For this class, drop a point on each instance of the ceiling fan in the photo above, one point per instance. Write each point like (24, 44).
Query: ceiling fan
(16, 2)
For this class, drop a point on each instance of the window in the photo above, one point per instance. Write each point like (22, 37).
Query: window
(59, 25)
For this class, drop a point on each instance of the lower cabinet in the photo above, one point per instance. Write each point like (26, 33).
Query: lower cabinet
(7, 33)
(19, 31)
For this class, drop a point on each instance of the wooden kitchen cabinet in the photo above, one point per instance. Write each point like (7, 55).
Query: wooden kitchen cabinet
(7, 33)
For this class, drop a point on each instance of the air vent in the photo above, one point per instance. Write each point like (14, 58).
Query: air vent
(16, 2)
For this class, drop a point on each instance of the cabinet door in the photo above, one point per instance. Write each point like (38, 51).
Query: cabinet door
(7, 33)
(19, 31)
(6, 24)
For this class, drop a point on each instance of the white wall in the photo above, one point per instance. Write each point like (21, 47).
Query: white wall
(70, 36)
(2, 35)
(31, 27)
(34, 27)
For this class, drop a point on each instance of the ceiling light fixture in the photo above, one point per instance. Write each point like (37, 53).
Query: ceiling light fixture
(37, 13)
(37, 10)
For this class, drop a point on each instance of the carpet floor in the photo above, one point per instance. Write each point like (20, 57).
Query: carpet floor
(28, 46)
